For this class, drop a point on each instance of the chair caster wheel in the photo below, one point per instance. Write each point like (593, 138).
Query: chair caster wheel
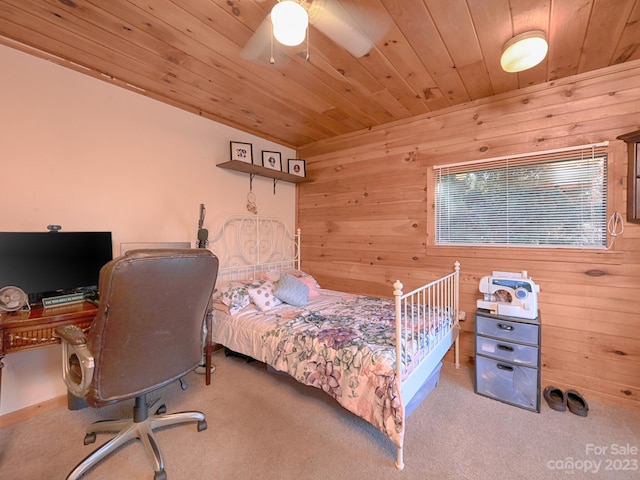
(202, 425)
(89, 438)
(162, 409)
(161, 475)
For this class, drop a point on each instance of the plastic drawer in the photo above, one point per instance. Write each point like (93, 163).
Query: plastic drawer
(504, 329)
(507, 351)
(507, 382)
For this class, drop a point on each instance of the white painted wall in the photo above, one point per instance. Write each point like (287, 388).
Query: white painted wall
(88, 155)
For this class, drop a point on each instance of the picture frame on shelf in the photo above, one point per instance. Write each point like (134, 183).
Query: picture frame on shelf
(297, 167)
(272, 160)
(242, 152)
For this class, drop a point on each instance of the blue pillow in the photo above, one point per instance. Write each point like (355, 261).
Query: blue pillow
(292, 291)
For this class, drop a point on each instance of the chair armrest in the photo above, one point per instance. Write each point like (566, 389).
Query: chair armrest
(75, 353)
(72, 334)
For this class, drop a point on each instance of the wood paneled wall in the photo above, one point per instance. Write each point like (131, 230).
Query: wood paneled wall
(367, 220)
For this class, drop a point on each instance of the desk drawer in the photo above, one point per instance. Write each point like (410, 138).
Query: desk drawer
(507, 351)
(25, 338)
(504, 329)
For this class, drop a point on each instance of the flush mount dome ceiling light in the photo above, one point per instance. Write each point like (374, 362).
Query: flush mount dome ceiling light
(524, 51)
(290, 21)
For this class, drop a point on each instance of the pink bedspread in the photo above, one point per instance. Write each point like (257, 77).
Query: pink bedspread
(340, 343)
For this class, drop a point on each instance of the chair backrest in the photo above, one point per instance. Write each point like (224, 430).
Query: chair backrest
(148, 330)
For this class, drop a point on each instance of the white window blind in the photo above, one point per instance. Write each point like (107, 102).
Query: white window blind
(549, 199)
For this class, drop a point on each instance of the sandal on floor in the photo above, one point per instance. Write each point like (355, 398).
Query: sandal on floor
(556, 398)
(577, 404)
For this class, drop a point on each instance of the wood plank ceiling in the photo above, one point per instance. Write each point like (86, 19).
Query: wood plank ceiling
(432, 54)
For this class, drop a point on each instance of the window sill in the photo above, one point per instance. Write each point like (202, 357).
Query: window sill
(541, 254)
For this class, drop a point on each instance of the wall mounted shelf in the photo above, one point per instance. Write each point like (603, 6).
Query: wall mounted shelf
(253, 170)
(262, 171)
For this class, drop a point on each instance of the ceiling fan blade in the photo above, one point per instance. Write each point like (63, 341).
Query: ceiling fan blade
(259, 41)
(356, 33)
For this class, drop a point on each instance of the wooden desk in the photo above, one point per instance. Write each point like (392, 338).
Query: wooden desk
(29, 329)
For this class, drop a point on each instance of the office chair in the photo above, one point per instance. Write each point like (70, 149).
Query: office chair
(147, 333)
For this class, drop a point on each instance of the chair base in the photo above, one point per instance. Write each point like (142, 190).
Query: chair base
(75, 403)
(140, 427)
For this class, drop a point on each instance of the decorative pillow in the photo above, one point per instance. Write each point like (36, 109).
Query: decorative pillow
(262, 296)
(271, 275)
(274, 275)
(311, 284)
(235, 295)
(292, 291)
(221, 307)
(300, 274)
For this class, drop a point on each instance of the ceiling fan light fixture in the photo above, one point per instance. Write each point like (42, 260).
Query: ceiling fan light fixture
(290, 21)
(524, 51)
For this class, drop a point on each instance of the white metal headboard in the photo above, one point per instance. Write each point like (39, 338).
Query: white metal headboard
(248, 244)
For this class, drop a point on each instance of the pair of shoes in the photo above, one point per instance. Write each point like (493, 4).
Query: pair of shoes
(577, 404)
(559, 401)
(556, 398)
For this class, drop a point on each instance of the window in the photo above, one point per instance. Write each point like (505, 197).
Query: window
(550, 199)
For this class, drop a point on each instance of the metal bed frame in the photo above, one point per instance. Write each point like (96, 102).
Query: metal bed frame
(248, 244)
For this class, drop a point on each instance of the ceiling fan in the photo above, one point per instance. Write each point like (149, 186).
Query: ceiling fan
(356, 30)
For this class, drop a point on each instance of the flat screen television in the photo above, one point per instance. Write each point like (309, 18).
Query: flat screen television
(48, 264)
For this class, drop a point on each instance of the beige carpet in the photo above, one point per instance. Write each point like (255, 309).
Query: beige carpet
(266, 426)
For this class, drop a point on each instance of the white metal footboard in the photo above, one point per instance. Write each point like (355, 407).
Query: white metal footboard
(426, 327)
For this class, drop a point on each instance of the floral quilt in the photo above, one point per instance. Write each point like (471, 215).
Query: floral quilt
(346, 348)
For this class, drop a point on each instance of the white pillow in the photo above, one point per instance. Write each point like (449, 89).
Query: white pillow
(263, 297)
